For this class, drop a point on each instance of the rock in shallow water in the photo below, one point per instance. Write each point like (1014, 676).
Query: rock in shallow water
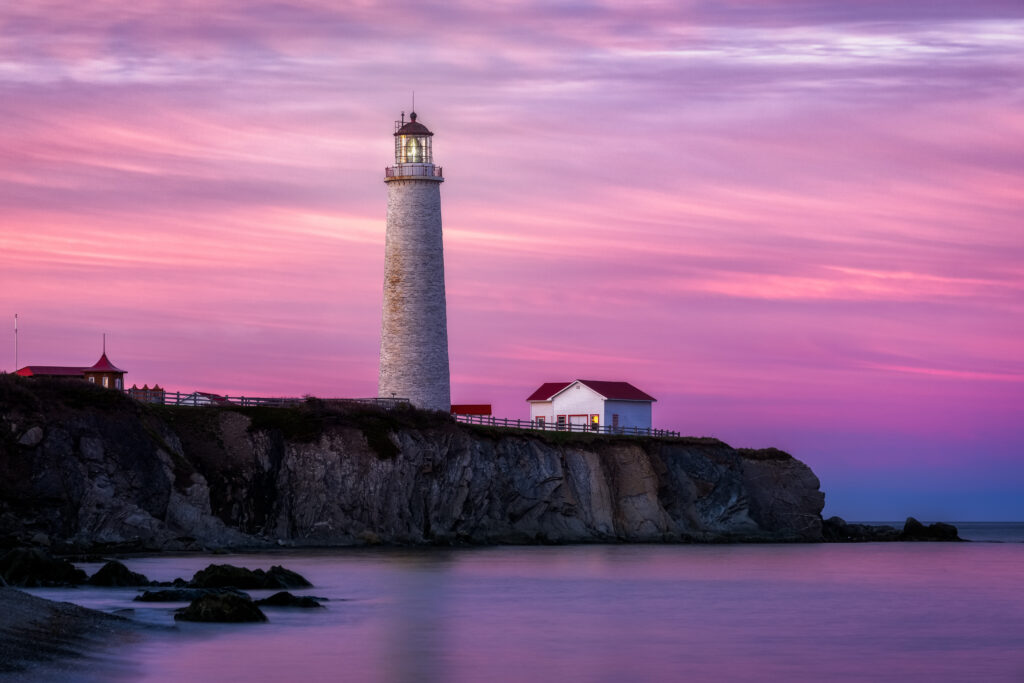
(113, 573)
(183, 594)
(838, 530)
(224, 575)
(34, 567)
(223, 608)
(286, 599)
(913, 530)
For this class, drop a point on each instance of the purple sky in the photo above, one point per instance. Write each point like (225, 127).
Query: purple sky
(797, 224)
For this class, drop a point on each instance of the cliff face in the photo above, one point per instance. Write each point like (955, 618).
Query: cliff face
(85, 468)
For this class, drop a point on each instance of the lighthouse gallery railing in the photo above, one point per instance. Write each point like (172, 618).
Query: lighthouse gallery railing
(413, 170)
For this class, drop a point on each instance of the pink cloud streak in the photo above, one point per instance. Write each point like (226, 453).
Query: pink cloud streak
(789, 223)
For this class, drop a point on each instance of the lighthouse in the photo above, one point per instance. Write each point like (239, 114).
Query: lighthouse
(414, 330)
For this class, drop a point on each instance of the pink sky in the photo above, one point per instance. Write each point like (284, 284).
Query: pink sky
(796, 224)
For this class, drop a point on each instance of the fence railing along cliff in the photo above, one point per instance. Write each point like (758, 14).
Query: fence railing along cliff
(200, 398)
(547, 426)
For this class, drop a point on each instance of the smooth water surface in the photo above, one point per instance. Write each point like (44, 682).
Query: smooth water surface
(857, 612)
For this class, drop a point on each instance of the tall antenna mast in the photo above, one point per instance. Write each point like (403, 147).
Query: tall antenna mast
(414, 100)
(16, 368)
(104, 343)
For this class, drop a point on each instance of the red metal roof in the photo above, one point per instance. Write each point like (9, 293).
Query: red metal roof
(414, 127)
(615, 391)
(104, 365)
(618, 391)
(547, 390)
(471, 409)
(52, 370)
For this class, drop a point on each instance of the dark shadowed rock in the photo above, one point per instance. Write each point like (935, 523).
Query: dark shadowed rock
(224, 575)
(286, 599)
(183, 594)
(913, 530)
(113, 573)
(837, 530)
(223, 607)
(35, 567)
(34, 630)
(279, 577)
(177, 583)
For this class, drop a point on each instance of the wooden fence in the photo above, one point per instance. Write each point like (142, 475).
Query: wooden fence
(547, 426)
(200, 398)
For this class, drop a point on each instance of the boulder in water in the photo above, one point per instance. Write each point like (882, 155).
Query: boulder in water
(224, 575)
(913, 530)
(183, 594)
(838, 530)
(222, 607)
(113, 573)
(279, 577)
(286, 599)
(33, 567)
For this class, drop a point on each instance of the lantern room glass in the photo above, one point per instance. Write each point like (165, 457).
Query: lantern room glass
(413, 149)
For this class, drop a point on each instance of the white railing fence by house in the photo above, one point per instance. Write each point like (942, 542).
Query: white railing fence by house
(548, 426)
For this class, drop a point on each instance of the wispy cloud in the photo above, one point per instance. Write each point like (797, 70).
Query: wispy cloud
(765, 208)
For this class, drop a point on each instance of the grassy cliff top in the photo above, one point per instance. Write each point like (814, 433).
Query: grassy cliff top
(303, 422)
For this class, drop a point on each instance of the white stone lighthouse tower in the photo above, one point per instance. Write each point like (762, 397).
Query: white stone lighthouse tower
(414, 332)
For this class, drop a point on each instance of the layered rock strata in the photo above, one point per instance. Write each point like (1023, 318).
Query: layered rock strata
(82, 468)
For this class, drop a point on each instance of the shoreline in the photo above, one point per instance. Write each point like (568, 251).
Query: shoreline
(36, 632)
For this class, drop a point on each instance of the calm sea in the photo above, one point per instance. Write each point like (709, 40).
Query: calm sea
(859, 612)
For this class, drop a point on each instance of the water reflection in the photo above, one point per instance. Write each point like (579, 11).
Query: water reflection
(417, 626)
(612, 613)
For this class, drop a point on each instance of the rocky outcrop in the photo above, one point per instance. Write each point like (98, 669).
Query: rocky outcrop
(113, 573)
(33, 567)
(34, 630)
(181, 594)
(913, 530)
(221, 607)
(89, 469)
(838, 530)
(226, 575)
(286, 599)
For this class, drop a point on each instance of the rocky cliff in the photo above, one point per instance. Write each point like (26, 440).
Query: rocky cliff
(84, 468)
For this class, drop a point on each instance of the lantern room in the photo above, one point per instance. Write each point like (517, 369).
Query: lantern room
(412, 142)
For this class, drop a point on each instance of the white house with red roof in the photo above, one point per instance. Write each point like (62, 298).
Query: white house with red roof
(590, 402)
